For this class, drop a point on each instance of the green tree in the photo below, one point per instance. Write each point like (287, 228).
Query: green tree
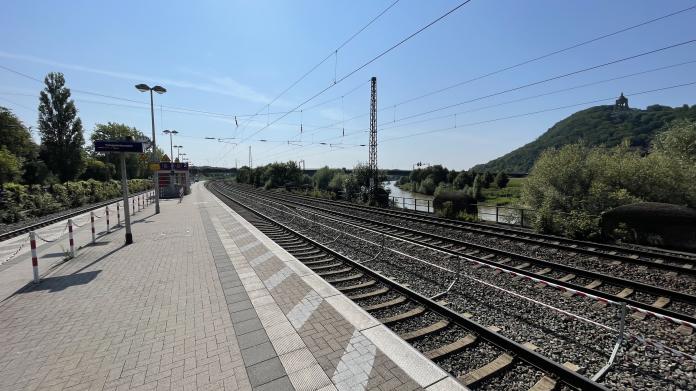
(136, 167)
(501, 179)
(14, 136)
(451, 176)
(477, 188)
(427, 186)
(61, 129)
(244, 175)
(487, 179)
(462, 179)
(337, 183)
(96, 169)
(10, 166)
(323, 177)
(678, 140)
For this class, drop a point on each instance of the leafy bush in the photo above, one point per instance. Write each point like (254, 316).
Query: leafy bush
(571, 186)
(451, 203)
(427, 186)
(20, 201)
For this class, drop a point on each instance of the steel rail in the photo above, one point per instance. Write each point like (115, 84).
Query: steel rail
(537, 360)
(542, 239)
(577, 271)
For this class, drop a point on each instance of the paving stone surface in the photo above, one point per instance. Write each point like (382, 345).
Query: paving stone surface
(200, 301)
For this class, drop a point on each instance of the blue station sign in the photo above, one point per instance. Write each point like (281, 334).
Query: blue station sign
(119, 146)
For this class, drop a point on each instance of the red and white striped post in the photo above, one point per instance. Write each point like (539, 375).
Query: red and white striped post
(118, 214)
(71, 239)
(107, 220)
(34, 257)
(94, 234)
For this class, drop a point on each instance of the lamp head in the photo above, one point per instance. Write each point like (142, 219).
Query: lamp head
(142, 87)
(159, 89)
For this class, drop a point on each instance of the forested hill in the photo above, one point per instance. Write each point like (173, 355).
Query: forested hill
(599, 125)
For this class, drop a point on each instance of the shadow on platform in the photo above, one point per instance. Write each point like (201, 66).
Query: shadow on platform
(58, 283)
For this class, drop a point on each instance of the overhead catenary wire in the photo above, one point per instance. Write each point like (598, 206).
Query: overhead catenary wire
(392, 125)
(542, 111)
(580, 44)
(538, 58)
(547, 55)
(375, 58)
(333, 53)
(497, 119)
(546, 80)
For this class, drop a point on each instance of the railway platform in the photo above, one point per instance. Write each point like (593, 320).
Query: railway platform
(201, 300)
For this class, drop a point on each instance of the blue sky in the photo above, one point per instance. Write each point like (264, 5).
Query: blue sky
(234, 57)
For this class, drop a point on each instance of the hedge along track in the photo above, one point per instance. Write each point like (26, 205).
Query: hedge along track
(68, 214)
(376, 293)
(523, 265)
(664, 259)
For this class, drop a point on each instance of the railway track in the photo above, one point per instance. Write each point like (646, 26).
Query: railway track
(666, 259)
(655, 299)
(480, 357)
(61, 216)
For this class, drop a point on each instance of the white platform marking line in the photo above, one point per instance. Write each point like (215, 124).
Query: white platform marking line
(299, 314)
(261, 259)
(353, 371)
(278, 277)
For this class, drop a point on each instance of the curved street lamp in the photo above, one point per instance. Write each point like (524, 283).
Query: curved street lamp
(160, 90)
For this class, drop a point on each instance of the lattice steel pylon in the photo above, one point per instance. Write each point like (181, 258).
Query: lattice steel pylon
(373, 136)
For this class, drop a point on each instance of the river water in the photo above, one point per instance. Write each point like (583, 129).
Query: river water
(405, 199)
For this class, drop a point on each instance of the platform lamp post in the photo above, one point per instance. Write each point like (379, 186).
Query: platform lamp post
(178, 151)
(172, 178)
(159, 90)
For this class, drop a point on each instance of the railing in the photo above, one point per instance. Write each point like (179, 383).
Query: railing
(505, 215)
(419, 204)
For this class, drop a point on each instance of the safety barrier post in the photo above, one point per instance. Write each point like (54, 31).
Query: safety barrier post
(94, 234)
(118, 214)
(133, 202)
(70, 238)
(34, 257)
(107, 220)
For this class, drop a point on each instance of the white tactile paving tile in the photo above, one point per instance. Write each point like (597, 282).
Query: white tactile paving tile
(353, 371)
(299, 314)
